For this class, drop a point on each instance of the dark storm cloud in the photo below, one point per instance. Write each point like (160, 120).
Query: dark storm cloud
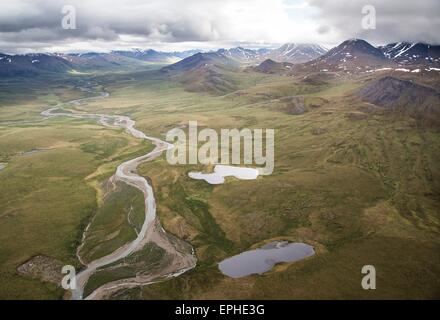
(397, 20)
(170, 20)
(34, 25)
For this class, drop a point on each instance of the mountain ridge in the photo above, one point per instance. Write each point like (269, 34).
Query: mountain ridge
(350, 56)
(416, 53)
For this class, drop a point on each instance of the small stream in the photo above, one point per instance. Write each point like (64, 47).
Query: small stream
(125, 172)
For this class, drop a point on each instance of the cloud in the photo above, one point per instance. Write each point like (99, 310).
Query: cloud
(323, 29)
(35, 25)
(396, 20)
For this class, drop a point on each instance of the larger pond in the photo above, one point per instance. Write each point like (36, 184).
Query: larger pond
(263, 259)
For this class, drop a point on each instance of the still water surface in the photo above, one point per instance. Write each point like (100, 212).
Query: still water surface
(263, 259)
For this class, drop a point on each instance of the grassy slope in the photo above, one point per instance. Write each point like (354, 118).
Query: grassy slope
(363, 192)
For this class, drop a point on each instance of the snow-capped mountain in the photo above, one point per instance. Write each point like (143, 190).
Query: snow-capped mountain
(297, 53)
(353, 49)
(241, 54)
(289, 52)
(350, 55)
(412, 53)
(151, 55)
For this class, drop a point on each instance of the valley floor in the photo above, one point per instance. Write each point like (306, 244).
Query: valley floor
(362, 187)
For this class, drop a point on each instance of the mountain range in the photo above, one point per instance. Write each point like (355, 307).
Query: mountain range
(151, 55)
(289, 52)
(357, 55)
(412, 53)
(297, 53)
(350, 56)
(28, 64)
(38, 63)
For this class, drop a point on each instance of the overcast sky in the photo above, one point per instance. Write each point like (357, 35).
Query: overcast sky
(102, 25)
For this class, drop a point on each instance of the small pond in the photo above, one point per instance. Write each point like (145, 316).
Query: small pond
(263, 259)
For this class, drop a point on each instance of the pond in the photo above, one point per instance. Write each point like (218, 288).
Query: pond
(263, 259)
(222, 171)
